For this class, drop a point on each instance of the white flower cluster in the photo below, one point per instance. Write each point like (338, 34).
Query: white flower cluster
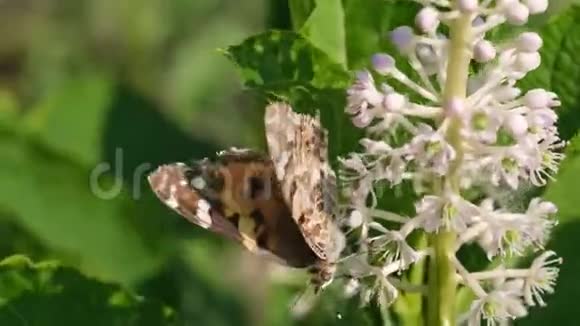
(494, 137)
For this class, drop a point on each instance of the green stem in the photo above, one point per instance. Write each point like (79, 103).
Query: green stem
(409, 307)
(416, 277)
(442, 280)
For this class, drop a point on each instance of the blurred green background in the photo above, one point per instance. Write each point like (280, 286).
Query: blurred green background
(95, 93)
(121, 86)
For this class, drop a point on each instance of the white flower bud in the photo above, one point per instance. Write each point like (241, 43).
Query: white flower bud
(383, 63)
(517, 124)
(355, 219)
(516, 13)
(506, 93)
(427, 20)
(536, 99)
(484, 51)
(467, 6)
(536, 6)
(526, 62)
(394, 101)
(455, 107)
(402, 37)
(529, 42)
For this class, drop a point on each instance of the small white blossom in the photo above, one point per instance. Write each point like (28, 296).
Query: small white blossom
(501, 305)
(394, 246)
(482, 125)
(430, 150)
(542, 278)
(452, 213)
(511, 233)
(448, 147)
(363, 94)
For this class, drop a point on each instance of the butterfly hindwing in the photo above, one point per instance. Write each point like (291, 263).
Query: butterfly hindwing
(298, 148)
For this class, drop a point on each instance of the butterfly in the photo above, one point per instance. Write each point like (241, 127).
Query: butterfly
(281, 205)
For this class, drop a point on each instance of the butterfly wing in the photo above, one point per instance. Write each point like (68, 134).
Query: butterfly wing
(298, 147)
(171, 186)
(237, 196)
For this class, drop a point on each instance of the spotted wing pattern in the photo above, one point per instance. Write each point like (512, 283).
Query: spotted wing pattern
(298, 148)
(238, 196)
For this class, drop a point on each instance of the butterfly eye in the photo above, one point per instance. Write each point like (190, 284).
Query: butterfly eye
(189, 174)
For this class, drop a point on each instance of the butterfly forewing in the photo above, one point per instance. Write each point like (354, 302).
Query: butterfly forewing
(244, 200)
(170, 184)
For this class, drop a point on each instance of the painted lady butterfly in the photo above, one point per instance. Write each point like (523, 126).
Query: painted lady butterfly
(281, 206)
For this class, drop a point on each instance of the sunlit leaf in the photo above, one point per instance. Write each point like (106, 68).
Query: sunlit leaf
(85, 221)
(325, 29)
(49, 294)
(70, 119)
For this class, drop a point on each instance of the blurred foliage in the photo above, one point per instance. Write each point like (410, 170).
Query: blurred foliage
(96, 93)
(46, 288)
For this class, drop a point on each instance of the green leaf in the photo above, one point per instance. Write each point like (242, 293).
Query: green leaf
(325, 29)
(49, 294)
(560, 69)
(285, 59)
(300, 10)
(55, 200)
(564, 190)
(71, 118)
(368, 25)
(286, 66)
